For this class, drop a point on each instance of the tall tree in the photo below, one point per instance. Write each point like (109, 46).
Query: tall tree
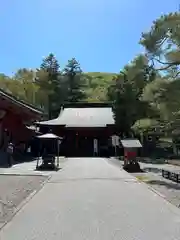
(162, 43)
(163, 95)
(48, 79)
(51, 66)
(126, 91)
(74, 77)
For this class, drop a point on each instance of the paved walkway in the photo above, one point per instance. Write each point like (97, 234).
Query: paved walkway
(28, 168)
(91, 199)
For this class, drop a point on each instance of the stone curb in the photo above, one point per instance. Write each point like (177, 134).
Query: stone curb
(25, 174)
(24, 202)
(153, 190)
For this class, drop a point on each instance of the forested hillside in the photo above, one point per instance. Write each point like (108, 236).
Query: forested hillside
(97, 86)
(23, 86)
(145, 93)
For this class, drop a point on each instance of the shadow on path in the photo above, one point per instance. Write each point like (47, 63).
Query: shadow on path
(165, 184)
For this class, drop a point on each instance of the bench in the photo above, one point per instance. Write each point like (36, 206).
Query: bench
(173, 175)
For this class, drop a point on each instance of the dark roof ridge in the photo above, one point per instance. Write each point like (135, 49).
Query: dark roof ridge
(87, 105)
(20, 102)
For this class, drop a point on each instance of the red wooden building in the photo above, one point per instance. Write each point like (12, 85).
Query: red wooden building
(15, 115)
(86, 128)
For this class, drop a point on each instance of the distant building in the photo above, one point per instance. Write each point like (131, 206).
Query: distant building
(14, 116)
(86, 128)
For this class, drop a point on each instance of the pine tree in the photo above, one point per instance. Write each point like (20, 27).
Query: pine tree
(49, 81)
(73, 74)
(51, 66)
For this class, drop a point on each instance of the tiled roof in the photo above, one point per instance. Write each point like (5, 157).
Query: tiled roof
(131, 143)
(83, 117)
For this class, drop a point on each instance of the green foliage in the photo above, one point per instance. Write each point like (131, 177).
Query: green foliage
(146, 125)
(73, 75)
(50, 65)
(48, 86)
(126, 91)
(51, 84)
(94, 85)
(162, 43)
(20, 85)
(97, 85)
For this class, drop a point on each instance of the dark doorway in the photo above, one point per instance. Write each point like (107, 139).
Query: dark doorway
(80, 143)
(76, 145)
(85, 146)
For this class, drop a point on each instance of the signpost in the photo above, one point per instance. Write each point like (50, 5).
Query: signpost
(115, 143)
(58, 148)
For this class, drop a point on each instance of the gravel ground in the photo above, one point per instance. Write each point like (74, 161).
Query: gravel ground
(13, 190)
(167, 188)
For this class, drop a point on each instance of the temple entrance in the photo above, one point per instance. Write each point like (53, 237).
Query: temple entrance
(85, 146)
(74, 145)
(85, 142)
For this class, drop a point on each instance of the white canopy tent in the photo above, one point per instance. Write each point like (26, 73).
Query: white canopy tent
(49, 136)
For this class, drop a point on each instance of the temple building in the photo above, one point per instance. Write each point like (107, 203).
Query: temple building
(86, 128)
(15, 115)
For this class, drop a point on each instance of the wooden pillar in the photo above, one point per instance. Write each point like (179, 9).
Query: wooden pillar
(77, 139)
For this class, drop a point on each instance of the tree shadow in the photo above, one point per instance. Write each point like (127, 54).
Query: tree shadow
(16, 160)
(21, 158)
(4, 165)
(166, 184)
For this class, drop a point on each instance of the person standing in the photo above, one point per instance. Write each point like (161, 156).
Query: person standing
(95, 147)
(10, 150)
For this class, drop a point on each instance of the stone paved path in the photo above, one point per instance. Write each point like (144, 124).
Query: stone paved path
(91, 199)
(27, 168)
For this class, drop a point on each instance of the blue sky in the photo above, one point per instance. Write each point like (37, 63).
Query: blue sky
(102, 35)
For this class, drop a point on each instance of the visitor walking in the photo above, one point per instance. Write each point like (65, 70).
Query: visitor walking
(10, 150)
